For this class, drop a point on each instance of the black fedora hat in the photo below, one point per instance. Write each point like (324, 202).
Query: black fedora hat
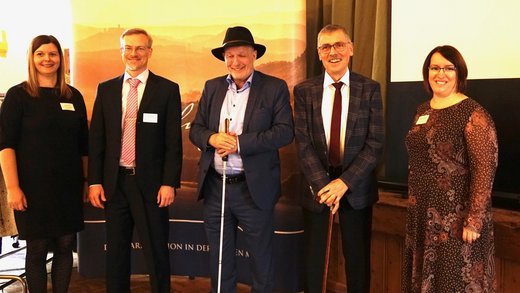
(238, 36)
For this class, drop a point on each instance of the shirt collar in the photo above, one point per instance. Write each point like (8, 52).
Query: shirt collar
(327, 81)
(143, 77)
(233, 85)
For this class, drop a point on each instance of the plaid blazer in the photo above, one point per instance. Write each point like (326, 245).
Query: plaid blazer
(363, 141)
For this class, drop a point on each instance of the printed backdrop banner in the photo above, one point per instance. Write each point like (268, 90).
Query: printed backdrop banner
(184, 34)
(189, 250)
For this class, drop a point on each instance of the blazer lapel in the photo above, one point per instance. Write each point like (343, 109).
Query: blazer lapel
(353, 108)
(216, 107)
(148, 93)
(254, 97)
(115, 92)
(316, 97)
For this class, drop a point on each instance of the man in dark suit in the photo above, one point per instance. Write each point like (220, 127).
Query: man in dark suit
(260, 115)
(135, 166)
(338, 150)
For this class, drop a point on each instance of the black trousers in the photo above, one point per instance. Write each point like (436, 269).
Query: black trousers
(355, 226)
(128, 208)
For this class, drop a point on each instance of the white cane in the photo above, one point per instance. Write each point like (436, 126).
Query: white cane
(221, 244)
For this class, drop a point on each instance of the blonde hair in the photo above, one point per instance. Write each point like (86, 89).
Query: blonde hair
(136, 31)
(32, 86)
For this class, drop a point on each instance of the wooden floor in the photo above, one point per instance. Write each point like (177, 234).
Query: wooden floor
(140, 284)
(12, 263)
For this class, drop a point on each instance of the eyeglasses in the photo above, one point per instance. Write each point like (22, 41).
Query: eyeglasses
(138, 49)
(447, 69)
(338, 46)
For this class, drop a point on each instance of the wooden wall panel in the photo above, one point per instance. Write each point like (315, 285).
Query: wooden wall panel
(378, 262)
(388, 243)
(508, 276)
(394, 263)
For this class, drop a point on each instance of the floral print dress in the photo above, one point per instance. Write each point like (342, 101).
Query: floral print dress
(453, 155)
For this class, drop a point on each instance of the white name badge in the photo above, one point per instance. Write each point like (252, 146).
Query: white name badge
(150, 117)
(422, 119)
(67, 106)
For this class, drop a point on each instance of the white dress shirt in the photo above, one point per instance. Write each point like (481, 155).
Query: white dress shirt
(233, 108)
(327, 105)
(143, 77)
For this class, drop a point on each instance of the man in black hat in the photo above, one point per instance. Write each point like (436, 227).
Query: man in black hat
(258, 108)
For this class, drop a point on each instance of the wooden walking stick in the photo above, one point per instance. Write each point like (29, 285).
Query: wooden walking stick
(327, 252)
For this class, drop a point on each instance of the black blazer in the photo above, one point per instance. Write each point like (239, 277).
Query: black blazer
(158, 145)
(363, 140)
(268, 126)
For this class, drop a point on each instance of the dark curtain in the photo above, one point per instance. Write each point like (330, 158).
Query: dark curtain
(368, 25)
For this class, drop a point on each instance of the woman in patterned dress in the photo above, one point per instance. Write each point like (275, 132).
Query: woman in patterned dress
(453, 154)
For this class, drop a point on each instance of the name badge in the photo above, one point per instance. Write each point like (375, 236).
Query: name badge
(150, 117)
(422, 119)
(67, 107)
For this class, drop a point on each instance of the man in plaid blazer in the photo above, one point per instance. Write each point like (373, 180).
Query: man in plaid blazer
(351, 186)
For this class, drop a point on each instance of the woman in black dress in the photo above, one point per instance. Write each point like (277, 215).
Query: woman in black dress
(43, 155)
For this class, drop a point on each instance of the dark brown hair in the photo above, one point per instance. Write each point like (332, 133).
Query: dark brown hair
(452, 55)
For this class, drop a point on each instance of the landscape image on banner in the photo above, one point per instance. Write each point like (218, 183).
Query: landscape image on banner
(184, 35)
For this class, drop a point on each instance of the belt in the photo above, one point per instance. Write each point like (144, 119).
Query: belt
(230, 179)
(130, 171)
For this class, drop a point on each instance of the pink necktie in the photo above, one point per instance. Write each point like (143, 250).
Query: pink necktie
(335, 128)
(128, 141)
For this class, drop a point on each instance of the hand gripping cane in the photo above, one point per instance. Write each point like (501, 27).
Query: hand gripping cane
(221, 244)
